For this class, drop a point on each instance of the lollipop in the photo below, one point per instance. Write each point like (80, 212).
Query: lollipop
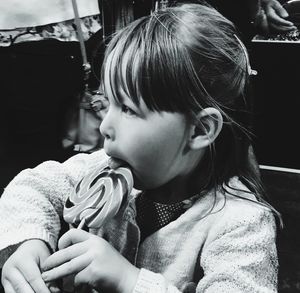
(98, 197)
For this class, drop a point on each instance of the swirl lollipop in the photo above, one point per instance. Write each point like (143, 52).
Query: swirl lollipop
(98, 197)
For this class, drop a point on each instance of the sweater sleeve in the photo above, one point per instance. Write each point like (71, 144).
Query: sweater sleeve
(242, 255)
(32, 203)
(149, 282)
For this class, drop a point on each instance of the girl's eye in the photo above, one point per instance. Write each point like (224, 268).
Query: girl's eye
(127, 110)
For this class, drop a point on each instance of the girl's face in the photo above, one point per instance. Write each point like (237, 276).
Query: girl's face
(153, 144)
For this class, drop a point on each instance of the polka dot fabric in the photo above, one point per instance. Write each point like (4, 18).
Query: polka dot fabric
(151, 216)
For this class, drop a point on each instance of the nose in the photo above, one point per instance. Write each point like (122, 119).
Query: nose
(107, 125)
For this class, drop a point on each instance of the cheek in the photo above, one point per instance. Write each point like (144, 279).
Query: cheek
(155, 160)
(154, 147)
(145, 152)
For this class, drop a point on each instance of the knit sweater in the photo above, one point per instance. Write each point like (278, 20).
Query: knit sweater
(228, 246)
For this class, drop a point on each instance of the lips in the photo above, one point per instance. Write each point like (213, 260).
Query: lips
(115, 163)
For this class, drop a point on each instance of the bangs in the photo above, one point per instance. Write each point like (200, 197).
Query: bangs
(123, 66)
(138, 63)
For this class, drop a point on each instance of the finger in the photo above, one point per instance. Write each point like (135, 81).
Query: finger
(17, 283)
(34, 278)
(104, 101)
(105, 107)
(280, 28)
(72, 267)
(63, 256)
(71, 237)
(279, 9)
(273, 17)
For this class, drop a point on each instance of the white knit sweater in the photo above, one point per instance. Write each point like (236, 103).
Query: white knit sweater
(230, 250)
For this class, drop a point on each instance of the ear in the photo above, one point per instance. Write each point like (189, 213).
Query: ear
(206, 129)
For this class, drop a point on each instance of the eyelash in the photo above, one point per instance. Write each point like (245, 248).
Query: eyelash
(128, 111)
(125, 109)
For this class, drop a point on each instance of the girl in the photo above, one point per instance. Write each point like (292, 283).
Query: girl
(174, 82)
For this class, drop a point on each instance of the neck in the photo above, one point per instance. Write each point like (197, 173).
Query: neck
(178, 189)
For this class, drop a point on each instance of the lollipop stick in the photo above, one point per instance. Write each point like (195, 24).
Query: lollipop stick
(82, 223)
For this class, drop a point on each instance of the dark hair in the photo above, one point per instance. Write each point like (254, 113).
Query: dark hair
(185, 59)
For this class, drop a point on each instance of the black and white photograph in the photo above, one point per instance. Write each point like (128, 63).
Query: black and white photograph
(149, 146)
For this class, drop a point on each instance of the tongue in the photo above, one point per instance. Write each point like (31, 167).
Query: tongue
(115, 163)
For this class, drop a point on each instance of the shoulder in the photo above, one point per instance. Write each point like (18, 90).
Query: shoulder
(237, 212)
(53, 175)
(85, 162)
(240, 245)
(241, 204)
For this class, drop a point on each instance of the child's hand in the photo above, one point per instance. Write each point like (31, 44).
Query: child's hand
(21, 272)
(93, 261)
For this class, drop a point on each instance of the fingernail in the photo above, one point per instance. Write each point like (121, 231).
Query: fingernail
(54, 289)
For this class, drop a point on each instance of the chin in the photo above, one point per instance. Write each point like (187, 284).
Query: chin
(137, 184)
(140, 185)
